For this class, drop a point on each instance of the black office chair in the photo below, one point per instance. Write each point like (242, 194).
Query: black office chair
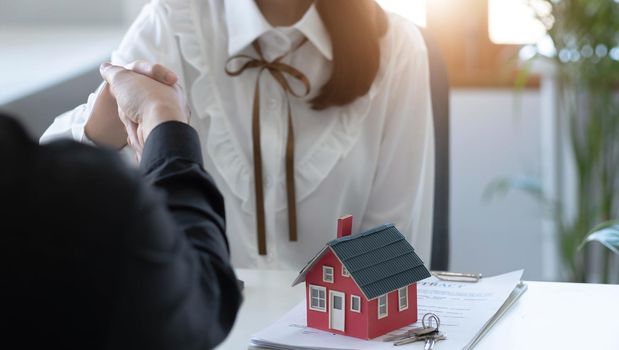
(439, 86)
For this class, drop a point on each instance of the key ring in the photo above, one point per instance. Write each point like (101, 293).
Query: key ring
(429, 317)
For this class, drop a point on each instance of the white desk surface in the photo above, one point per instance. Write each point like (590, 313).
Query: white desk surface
(35, 58)
(548, 315)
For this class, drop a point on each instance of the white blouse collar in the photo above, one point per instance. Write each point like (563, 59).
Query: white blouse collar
(245, 23)
(313, 28)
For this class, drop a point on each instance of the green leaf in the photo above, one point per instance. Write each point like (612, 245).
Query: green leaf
(607, 234)
(528, 184)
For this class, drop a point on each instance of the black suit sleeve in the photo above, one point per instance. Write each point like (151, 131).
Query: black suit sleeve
(180, 281)
(95, 256)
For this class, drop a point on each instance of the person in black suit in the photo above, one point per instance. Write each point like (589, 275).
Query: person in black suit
(95, 255)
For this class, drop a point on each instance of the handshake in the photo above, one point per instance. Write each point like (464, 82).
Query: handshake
(145, 96)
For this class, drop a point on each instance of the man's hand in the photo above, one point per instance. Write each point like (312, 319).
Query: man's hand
(144, 103)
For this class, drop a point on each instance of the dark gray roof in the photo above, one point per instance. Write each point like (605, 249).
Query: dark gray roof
(379, 260)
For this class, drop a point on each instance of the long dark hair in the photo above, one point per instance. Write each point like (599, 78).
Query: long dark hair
(355, 28)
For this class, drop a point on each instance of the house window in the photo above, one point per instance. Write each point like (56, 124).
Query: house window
(318, 298)
(327, 274)
(355, 303)
(403, 298)
(382, 306)
(345, 272)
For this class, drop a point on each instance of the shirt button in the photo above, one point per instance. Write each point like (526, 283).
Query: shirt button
(273, 103)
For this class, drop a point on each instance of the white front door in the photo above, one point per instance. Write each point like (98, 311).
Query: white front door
(337, 310)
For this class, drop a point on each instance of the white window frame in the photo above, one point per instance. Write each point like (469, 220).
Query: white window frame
(352, 297)
(402, 292)
(324, 274)
(345, 271)
(386, 298)
(319, 289)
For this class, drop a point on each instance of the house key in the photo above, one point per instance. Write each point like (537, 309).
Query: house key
(430, 318)
(428, 337)
(429, 345)
(428, 332)
(414, 332)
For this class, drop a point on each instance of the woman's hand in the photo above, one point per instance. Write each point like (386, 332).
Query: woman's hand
(104, 125)
(144, 103)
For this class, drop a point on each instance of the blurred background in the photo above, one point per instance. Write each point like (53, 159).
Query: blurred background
(533, 116)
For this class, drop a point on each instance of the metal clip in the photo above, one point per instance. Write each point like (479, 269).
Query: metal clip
(457, 276)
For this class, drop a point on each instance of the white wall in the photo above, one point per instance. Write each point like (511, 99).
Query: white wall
(61, 12)
(67, 21)
(494, 134)
(68, 12)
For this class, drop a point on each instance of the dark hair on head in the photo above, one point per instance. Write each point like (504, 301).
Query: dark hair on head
(355, 28)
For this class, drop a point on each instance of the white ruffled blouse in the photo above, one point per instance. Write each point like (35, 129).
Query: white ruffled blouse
(373, 158)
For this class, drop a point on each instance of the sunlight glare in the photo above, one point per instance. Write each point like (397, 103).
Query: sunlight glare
(413, 10)
(513, 22)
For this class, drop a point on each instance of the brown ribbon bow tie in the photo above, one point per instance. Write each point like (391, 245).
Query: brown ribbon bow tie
(279, 71)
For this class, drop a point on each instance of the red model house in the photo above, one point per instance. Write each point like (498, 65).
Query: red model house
(363, 285)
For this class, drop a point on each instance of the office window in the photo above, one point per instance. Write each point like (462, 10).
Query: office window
(477, 36)
(318, 297)
(327, 274)
(514, 22)
(345, 272)
(382, 306)
(355, 303)
(403, 298)
(476, 40)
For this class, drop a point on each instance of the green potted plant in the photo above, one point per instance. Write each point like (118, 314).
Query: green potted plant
(585, 36)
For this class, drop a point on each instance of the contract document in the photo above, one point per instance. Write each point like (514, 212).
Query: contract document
(466, 310)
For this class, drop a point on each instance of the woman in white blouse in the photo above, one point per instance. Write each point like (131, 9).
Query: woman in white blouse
(341, 125)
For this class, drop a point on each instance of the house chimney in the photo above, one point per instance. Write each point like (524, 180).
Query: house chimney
(344, 226)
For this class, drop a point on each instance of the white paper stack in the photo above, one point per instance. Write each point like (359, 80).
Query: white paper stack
(467, 311)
